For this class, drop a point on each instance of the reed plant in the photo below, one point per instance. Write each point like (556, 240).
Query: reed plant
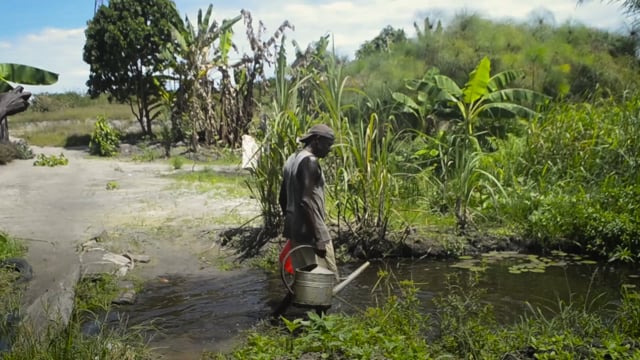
(361, 186)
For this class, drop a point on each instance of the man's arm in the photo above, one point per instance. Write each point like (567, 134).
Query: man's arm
(311, 176)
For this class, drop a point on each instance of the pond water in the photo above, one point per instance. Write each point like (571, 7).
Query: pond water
(197, 313)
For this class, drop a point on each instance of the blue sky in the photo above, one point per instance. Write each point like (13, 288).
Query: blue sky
(50, 33)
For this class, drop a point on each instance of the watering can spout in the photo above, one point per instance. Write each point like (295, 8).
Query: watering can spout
(353, 275)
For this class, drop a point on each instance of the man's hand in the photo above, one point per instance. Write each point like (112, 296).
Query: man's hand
(321, 252)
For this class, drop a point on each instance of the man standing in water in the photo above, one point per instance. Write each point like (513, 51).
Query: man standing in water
(303, 206)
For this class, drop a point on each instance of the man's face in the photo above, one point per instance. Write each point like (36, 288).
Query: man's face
(323, 146)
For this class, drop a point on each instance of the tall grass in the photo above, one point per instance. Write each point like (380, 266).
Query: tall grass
(361, 184)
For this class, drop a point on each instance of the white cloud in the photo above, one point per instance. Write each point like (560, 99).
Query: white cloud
(55, 50)
(351, 22)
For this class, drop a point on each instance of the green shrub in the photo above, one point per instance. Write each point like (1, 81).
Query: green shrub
(9, 247)
(105, 140)
(177, 162)
(23, 151)
(43, 160)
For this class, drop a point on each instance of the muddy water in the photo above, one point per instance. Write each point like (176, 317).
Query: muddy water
(208, 313)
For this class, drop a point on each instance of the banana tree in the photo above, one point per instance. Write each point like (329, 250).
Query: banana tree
(197, 57)
(484, 95)
(21, 74)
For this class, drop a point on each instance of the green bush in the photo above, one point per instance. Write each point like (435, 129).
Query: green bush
(9, 247)
(105, 140)
(23, 151)
(177, 162)
(51, 161)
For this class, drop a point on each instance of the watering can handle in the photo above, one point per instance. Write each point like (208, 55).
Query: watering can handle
(284, 261)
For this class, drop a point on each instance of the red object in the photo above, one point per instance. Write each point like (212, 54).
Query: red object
(288, 266)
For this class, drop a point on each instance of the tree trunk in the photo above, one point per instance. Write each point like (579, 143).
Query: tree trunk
(4, 130)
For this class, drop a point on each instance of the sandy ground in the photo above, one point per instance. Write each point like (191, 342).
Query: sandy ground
(56, 209)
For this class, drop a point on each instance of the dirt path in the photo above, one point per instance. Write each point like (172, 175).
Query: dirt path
(55, 209)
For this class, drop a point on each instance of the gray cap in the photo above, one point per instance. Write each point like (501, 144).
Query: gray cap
(318, 130)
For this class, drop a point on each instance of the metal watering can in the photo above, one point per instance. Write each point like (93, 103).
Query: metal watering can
(315, 286)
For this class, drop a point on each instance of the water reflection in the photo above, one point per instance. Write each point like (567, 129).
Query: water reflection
(196, 313)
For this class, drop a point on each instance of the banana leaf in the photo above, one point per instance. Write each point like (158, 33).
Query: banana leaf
(24, 74)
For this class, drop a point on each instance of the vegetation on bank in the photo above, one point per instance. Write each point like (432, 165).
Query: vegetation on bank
(90, 334)
(459, 327)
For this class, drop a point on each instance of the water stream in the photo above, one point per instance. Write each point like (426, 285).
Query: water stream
(196, 313)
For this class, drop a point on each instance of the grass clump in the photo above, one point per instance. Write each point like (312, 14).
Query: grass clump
(10, 247)
(207, 180)
(112, 185)
(177, 162)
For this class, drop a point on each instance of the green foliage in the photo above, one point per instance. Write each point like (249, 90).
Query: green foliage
(95, 294)
(198, 57)
(9, 246)
(125, 44)
(577, 160)
(14, 150)
(112, 185)
(51, 160)
(105, 140)
(462, 327)
(24, 74)
(628, 317)
(59, 341)
(381, 43)
(567, 61)
(177, 162)
(23, 151)
(459, 151)
(464, 323)
(393, 331)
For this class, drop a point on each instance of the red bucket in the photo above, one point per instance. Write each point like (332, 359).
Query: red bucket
(288, 266)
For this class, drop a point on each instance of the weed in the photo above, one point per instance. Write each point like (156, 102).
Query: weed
(177, 162)
(51, 160)
(10, 247)
(113, 185)
(104, 139)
